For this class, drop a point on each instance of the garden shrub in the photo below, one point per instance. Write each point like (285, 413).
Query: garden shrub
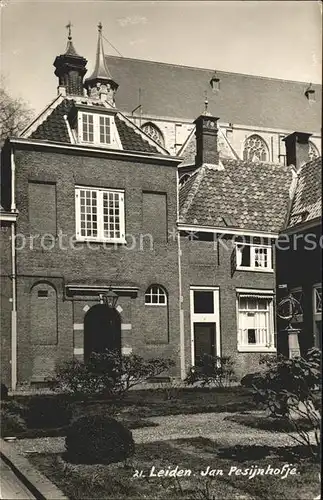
(48, 412)
(11, 423)
(291, 388)
(4, 392)
(108, 374)
(212, 370)
(98, 439)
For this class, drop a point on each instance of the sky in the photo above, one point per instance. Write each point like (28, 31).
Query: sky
(280, 39)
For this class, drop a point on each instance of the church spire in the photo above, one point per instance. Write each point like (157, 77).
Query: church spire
(101, 84)
(70, 68)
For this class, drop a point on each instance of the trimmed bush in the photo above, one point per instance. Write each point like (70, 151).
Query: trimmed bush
(48, 413)
(98, 439)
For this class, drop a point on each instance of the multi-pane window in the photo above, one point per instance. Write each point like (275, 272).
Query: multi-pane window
(105, 134)
(317, 299)
(95, 128)
(155, 296)
(100, 214)
(255, 149)
(87, 127)
(255, 322)
(254, 257)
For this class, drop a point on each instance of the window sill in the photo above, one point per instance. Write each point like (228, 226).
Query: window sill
(260, 348)
(101, 242)
(254, 269)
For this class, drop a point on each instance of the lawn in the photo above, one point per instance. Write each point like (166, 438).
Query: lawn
(116, 481)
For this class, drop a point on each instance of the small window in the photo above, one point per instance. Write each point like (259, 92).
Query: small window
(94, 128)
(42, 294)
(254, 257)
(203, 302)
(255, 149)
(155, 296)
(255, 322)
(317, 299)
(100, 214)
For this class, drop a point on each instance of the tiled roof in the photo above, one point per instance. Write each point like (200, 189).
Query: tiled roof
(175, 91)
(253, 196)
(54, 128)
(307, 200)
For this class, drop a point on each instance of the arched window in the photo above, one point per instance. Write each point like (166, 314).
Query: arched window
(154, 132)
(184, 179)
(255, 149)
(155, 296)
(313, 151)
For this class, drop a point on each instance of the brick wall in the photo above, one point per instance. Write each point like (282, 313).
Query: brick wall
(207, 264)
(138, 265)
(5, 301)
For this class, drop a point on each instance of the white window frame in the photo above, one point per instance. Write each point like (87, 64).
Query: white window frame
(269, 345)
(161, 292)
(206, 317)
(113, 133)
(252, 267)
(100, 215)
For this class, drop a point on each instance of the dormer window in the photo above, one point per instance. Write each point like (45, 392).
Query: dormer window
(215, 82)
(95, 128)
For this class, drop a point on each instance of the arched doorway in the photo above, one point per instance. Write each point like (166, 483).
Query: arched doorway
(102, 330)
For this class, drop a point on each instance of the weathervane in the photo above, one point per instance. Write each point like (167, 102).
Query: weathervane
(69, 28)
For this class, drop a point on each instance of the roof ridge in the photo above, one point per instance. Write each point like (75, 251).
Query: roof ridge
(219, 71)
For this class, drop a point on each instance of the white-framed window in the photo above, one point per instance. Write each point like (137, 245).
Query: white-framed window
(155, 295)
(95, 128)
(255, 311)
(100, 214)
(317, 289)
(254, 257)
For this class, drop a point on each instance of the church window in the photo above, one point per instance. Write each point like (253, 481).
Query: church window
(154, 132)
(313, 151)
(255, 149)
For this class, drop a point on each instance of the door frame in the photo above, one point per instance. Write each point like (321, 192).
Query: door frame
(206, 318)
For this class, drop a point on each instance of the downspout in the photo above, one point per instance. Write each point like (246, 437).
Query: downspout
(14, 279)
(180, 301)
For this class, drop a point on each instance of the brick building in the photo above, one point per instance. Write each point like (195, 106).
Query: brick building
(299, 258)
(95, 197)
(92, 201)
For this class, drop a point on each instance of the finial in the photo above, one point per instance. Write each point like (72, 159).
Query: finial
(100, 27)
(69, 28)
(206, 104)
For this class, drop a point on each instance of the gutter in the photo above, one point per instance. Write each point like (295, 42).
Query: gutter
(180, 291)
(14, 278)
(173, 160)
(225, 230)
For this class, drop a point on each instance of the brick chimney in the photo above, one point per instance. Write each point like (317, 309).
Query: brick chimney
(297, 148)
(206, 132)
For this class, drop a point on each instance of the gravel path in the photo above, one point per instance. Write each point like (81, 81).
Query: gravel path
(207, 425)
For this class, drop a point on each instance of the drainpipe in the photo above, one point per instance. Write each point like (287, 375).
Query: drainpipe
(181, 312)
(14, 281)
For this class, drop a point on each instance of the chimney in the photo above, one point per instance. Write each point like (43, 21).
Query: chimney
(206, 132)
(297, 149)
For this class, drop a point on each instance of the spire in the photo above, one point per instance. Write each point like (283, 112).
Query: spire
(70, 50)
(70, 68)
(101, 84)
